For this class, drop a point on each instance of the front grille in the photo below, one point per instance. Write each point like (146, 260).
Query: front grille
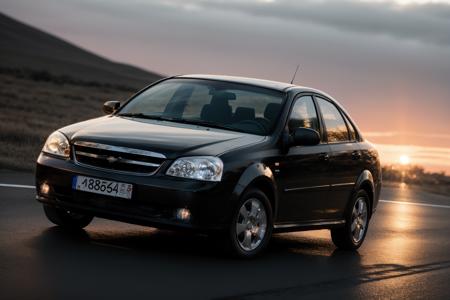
(120, 159)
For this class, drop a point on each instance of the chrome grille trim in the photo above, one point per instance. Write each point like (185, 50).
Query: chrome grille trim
(114, 171)
(122, 160)
(120, 149)
(108, 158)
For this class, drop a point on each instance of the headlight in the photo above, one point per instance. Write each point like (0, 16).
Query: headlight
(208, 168)
(57, 144)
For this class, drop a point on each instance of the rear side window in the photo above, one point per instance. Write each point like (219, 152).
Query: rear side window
(334, 123)
(303, 114)
(351, 129)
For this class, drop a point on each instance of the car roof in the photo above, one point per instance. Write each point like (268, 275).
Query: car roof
(270, 84)
(275, 85)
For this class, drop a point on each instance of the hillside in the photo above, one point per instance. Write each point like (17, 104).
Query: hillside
(47, 83)
(25, 47)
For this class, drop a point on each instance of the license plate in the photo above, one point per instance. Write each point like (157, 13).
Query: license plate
(101, 186)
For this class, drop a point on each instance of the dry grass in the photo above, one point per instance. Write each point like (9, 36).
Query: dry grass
(31, 110)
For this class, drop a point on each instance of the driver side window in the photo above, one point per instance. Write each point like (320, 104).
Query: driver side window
(303, 114)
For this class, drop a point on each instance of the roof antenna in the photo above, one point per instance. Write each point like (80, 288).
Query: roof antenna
(293, 77)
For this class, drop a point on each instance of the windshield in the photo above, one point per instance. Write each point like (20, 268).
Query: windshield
(210, 103)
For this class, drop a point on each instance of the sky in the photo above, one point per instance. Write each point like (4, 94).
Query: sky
(387, 62)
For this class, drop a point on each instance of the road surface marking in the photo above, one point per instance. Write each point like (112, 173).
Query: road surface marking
(17, 186)
(416, 203)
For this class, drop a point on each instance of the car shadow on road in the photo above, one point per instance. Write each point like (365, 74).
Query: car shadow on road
(139, 256)
(143, 248)
(149, 241)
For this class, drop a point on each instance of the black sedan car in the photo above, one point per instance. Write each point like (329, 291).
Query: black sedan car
(236, 156)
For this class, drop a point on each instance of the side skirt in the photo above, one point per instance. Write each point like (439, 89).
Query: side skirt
(288, 227)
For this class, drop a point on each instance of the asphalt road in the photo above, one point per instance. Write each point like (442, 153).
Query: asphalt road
(406, 255)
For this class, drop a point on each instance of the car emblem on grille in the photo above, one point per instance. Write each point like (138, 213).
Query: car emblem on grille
(112, 159)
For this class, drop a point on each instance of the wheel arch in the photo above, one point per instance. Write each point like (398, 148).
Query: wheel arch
(365, 182)
(259, 176)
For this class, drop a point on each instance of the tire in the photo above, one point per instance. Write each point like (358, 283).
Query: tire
(66, 218)
(252, 224)
(352, 235)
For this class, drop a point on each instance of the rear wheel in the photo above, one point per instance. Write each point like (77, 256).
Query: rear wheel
(251, 227)
(352, 235)
(67, 218)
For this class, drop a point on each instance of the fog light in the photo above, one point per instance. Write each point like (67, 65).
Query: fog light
(183, 214)
(45, 188)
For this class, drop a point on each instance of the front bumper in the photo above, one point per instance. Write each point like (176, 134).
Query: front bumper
(154, 201)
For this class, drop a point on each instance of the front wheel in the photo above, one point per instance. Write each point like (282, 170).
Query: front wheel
(252, 224)
(352, 235)
(67, 218)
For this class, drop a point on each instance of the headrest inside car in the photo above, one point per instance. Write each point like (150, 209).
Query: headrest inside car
(272, 110)
(224, 96)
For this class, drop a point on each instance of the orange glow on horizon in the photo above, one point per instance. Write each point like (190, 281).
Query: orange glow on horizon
(433, 159)
(404, 159)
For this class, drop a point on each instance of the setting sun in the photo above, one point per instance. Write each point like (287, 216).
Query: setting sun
(404, 159)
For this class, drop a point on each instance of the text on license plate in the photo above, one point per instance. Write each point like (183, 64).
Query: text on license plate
(101, 186)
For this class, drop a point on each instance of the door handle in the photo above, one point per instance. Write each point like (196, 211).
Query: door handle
(356, 155)
(324, 156)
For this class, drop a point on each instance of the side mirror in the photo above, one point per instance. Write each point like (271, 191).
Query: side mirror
(110, 107)
(304, 137)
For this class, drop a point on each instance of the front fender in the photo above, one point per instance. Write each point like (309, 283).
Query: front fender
(260, 176)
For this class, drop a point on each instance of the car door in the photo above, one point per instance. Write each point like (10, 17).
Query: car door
(344, 157)
(304, 170)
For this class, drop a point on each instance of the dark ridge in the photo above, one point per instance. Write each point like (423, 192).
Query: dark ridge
(23, 47)
(46, 76)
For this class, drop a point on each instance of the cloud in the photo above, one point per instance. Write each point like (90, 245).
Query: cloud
(394, 134)
(426, 23)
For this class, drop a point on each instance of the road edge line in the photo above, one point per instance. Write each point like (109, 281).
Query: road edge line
(22, 186)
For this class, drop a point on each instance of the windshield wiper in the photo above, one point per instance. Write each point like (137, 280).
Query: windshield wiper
(144, 116)
(133, 115)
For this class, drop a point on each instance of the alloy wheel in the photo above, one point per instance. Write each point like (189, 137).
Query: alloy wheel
(251, 224)
(359, 220)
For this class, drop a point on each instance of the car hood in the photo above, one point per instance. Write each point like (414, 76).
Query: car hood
(169, 138)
